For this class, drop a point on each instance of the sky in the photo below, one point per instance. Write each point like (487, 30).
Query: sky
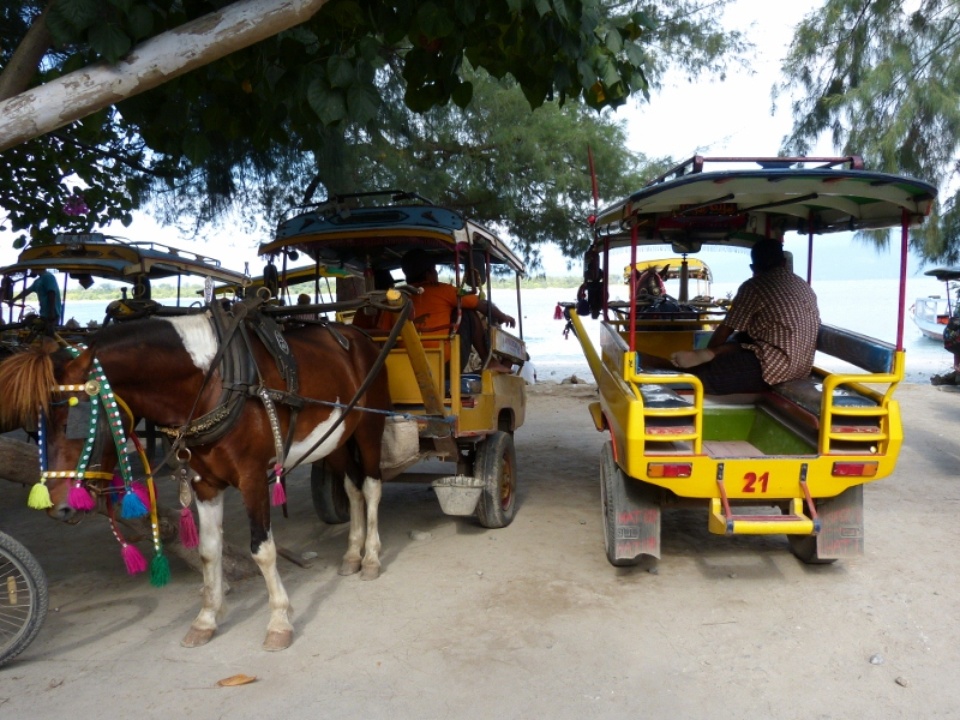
(708, 117)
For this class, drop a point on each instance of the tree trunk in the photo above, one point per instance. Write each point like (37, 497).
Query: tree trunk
(161, 58)
(18, 73)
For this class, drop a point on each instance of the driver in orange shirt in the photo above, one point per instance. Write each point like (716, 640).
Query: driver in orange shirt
(434, 309)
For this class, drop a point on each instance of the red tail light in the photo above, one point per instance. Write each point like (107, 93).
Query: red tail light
(669, 470)
(854, 469)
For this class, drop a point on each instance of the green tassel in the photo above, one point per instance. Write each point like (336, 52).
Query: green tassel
(39, 498)
(159, 570)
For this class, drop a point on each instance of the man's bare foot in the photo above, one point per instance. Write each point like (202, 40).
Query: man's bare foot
(691, 358)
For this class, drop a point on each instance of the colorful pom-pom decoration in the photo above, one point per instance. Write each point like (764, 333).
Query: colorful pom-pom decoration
(39, 498)
(133, 559)
(188, 529)
(80, 498)
(279, 494)
(132, 506)
(159, 570)
(141, 492)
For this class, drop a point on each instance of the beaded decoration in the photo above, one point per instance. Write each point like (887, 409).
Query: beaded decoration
(135, 499)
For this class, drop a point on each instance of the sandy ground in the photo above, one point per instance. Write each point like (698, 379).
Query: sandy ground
(529, 621)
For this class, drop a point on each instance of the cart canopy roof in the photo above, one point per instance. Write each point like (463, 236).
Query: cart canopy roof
(375, 230)
(108, 257)
(696, 269)
(945, 274)
(753, 198)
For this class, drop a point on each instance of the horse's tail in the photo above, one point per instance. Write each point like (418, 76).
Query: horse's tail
(26, 383)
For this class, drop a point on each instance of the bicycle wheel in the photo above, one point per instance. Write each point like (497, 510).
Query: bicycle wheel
(23, 598)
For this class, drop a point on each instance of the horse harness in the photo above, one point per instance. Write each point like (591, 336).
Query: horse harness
(241, 380)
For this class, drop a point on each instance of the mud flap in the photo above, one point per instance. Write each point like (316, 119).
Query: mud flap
(631, 514)
(841, 525)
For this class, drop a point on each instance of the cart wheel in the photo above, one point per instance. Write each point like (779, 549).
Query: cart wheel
(496, 465)
(329, 496)
(612, 493)
(23, 598)
(805, 548)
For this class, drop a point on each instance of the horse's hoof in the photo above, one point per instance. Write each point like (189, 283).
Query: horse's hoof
(350, 567)
(196, 637)
(278, 640)
(369, 572)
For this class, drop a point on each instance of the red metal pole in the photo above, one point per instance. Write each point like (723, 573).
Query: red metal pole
(904, 249)
(634, 234)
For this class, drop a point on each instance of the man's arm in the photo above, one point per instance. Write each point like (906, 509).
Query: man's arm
(719, 337)
(499, 317)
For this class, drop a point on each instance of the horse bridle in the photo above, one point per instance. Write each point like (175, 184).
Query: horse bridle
(101, 398)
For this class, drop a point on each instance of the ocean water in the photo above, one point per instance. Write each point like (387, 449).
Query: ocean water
(865, 306)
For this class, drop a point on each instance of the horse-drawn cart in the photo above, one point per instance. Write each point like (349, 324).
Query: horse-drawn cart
(81, 259)
(464, 418)
(792, 460)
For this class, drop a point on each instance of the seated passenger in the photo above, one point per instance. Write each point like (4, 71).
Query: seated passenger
(437, 304)
(769, 336)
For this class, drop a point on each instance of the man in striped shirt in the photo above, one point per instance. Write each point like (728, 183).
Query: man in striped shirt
(769, 335)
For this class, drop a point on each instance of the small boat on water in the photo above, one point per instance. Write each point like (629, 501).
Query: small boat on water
(932, 312)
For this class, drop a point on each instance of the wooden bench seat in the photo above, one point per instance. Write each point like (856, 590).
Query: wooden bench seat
(802, 400)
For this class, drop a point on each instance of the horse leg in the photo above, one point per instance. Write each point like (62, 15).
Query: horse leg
(210, 513)
(351, 559)
(366, 446)
(372, 491)
(264, 550)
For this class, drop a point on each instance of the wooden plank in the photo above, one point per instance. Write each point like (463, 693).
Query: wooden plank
(730, 449)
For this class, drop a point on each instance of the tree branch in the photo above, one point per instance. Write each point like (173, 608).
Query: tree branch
(18, 73)
(148, 65)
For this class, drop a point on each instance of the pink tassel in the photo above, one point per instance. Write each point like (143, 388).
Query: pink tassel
(80, 498)
(140, 490)
(558, 312)
(279, 494)
(133, 559)
(188, 529)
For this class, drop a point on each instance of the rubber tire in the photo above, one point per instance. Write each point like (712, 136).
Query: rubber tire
(496, 465)
(330, 499)
(805, 548)
(18, 564)
(612, 486)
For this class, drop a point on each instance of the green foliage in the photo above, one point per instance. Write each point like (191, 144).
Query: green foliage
(881, 78)
(331, 103)
(40, 203)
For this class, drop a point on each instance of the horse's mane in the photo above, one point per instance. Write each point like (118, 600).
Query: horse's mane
(26, 384)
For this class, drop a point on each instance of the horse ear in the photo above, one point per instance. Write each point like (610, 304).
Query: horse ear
(663, 273)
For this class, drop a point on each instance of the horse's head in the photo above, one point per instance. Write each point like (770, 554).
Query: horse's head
(650, 282)
(51, 392)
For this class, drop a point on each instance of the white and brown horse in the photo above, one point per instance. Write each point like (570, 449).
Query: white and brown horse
(162, 369)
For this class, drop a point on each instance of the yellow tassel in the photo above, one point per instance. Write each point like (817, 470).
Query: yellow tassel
(39, 497)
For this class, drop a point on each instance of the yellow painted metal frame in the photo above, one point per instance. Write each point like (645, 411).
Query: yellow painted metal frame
(621, 410)
(419, 378)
